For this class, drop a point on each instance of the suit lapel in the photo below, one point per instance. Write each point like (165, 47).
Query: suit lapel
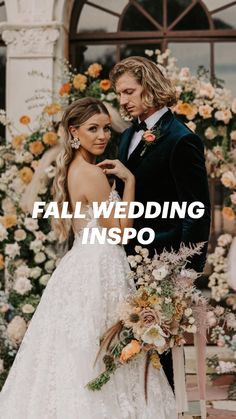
(124, 144)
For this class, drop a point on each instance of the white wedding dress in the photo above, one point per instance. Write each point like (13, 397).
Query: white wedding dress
(56, 357)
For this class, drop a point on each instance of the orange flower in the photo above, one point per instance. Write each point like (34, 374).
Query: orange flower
(36, 148)
(228, 213)
(184, 108)
(79, 82)
(52, 109)
(149, 136)
(105, 84)
(26, 174)
(25, 119)
(130, 350)
(94, 70)
(155, 361)
(18, 140)
(65, 89)
(9, 220)
(2, 264)
(50, 138)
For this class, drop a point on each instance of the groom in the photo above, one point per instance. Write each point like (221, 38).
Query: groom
(172, 168)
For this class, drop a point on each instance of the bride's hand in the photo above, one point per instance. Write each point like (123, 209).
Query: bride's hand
(115, 167)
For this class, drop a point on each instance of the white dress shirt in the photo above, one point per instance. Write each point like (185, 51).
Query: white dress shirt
(150, 122)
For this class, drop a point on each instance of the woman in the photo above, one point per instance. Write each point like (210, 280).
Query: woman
(55, 361)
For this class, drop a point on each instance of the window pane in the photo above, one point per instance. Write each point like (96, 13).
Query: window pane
(175, 8)
(114, 5)
(154, 8)
(129, 50)
(215, 4)
(103, 54)
(2, 85)
(225, 65)
(226, 19)
(92, 20)
(191, 55)
(190, 22)
(3, 15)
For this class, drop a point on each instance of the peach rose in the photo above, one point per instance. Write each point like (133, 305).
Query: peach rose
(8, 220)
(210, 133)
(24, 119)
(228, 179)
(233, 135)
(50, 138)
(18, 140)
(233, 198)
(65, 89)
(52, 109)
(149, 136)
(26, 174)
(228, 213)
(16, 330)
(233, 106)
(94, 70)
(207, 90)
(130, 350)
(149, 317)
(20, 235)
(2, 264)
(105, 84)
(36, 147)
(224, 115)
(34, 164)
(205, 111)
(80, 82)
(184, 108)
(191, 125)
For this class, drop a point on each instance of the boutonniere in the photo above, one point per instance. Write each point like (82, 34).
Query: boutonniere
(150, 137)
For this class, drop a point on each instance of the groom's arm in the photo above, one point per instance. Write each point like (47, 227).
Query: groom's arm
(187, 165)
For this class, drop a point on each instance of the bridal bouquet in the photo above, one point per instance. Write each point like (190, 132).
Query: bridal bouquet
(154, 317)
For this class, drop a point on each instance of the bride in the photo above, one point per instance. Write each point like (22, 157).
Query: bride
(55, 360)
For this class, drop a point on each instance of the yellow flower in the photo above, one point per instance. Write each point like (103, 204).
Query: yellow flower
(36, 148)
(105, 84)
(52, 109)
(18, 140)
(2, 264)
(94, 70)
(184, 108)
(130, 350)
(155, 361)
(8, 220)
(178, 311)
(25, 119)
(26, 174)
(228, 213)
(65, 89)
(79, 82)
(50, 138)
(154, 299)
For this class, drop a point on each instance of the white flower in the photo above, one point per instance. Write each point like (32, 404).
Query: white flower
(28, 308)
(160, 273)
(149, 52)
(191, 125)
(191, 320)
(188, 311)
(168, 300)
(154, 335)
(138, 258)
(3, 233)
(224, 239)
(16, 330)
(40, 235)
(184, 74)
(8, 206)
(35, 272)
(210, 133)
(31, 224)
(219, 251)
(44, 279)
(233, 135)
(49, 266)
(206, 90)
(19, 235)
(50, 171)
(22, 285)
(191, 328)
(233, 198)
(50, 252)
(36, 245)
(22, 270)
(40, 257)
(12, 250)
(51, 236)
(224, 115)
(110, 96)
(132, 261)
(229, 179)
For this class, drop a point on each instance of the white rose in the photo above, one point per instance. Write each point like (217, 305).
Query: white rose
(28, 308)
(188, 311)
(22, 270)
(44, 279)
(191, 320)
(138, 258)
(28, 157)
(35, 272)
(8, 206)
(19, 235)
(49, 265)
(36, 245)
(22, 285)
(51, 236)
(16, 330)
(50, 252)
(3, 233)
(233, 135)
(40, 235)
(219, 251)
(210, 133)
(40, 257)
(31, 224)
(224, 239)
(160, 273)
(12, 250)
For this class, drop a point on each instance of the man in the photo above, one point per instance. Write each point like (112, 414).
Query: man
(172, 168)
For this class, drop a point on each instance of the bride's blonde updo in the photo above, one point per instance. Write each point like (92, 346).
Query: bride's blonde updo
(75, 114)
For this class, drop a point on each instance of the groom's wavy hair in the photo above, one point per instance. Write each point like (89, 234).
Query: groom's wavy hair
(74, 115)
(158, 90)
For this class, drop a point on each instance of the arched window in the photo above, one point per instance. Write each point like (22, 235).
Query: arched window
(2, 68)
(198, 32)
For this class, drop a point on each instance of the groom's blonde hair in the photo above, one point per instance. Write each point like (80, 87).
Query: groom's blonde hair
(158, 90)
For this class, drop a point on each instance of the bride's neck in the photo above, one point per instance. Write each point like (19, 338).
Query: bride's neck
(88, 157)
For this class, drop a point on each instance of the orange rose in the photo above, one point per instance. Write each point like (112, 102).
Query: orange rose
(52, 109)
(26, 174)
(228, 213)
(79, 82)
(50, 138)
(18, 140)
(105, 84)
(184, 108)
(36, 147)
(2, 264)
(65, 89)
(24, 119)
(130, 350)
(94, 70)
(149, 136)
(9, 220)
